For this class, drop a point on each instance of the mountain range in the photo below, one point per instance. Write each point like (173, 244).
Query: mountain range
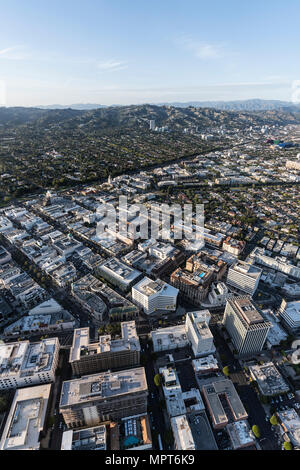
(239, 105)
(138, 116)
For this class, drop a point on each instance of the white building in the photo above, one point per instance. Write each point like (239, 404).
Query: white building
(240, 434)
(172, 337)
(218, 294)
(290, 315)
(244, 277)
(199, 334)
(153, 296)
(172, 392)
(119, 273)
(259, 257)
(23, 364)
(205, 365)
(182, 433)
(26, 419)
(152, 125)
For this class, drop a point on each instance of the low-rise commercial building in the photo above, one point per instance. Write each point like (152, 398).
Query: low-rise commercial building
(289, 421)
(241, 436)
(94, 438)
(269, 380)
(205, 365)
(172, 337)
(26, 419)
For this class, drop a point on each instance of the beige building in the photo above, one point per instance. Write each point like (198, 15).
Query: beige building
(108, 396)
(247, 328)
(88, 358)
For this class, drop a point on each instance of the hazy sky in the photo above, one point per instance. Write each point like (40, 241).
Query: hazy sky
(137, 51)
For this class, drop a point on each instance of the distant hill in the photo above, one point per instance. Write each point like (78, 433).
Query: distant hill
(242, 105)
(79, 106)
(138, 116)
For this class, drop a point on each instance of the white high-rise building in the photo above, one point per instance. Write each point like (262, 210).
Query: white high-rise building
(244, 276)
(154, 295)
(199, 334)
(245, 325)
(152, 125)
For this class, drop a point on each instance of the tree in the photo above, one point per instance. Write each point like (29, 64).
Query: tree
(226, 371)
(273, 420)
(287, 446)
(157, 380)
(256, 431)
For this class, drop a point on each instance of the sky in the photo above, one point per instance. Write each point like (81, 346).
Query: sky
(148, 51)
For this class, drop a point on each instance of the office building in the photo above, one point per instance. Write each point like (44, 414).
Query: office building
(247, 328)
(108, 396)
(244, 277)
(118, 273)
(106, 353)
(221, 398)
(199, 334)
(153, 296)
(23, 364)
(290, 315)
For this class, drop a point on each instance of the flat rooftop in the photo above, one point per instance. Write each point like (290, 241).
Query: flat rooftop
(26, 419)
(169, 338)
(182, 433)
(81, 342)
(269, 379)
(245, 308)
(24, 359)
(103, 386)
(223, 388)
(114, 267)
(86, 439)
(240, 434)
(205, 364)
(148, 287)
(248, 269)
